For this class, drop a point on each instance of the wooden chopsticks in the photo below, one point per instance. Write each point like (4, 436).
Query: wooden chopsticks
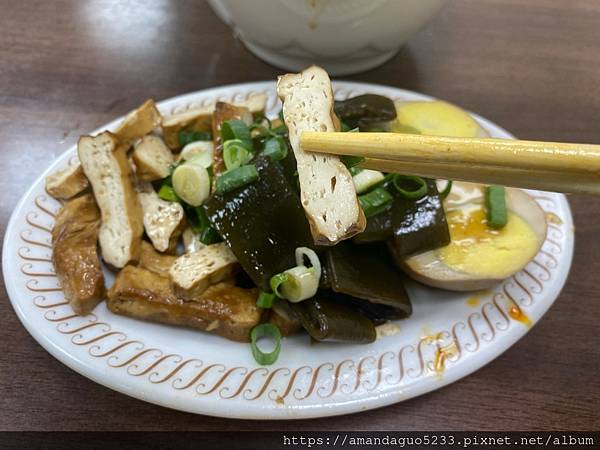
(550, 166)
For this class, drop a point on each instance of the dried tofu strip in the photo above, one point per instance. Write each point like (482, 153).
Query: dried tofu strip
(75, 253)
(152, 159)
(153, 261)
(109, 172)
(68, 182)
(163, 220)
(193, 273)
(139, 122)
(222, 309)
(327, 190)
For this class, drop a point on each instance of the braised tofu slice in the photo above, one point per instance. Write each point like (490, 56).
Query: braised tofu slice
(326, 186)
(193, 273)
(139, 122)
(107, 168)
(75, 253)
(153, 261)
(152, 159)
(222, 309)
(163, 220)
(67, 182)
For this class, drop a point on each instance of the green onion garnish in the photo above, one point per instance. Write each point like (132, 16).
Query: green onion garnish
(201, 225)
(410, 186)
(235, 153)
(275, 148)
(495, 203)
(185, 137)
(280, 130)
(167, 193)
(277, 281)
(262, 330)
(265, 300)
(209, 236)
(236, 129)
(235, 178)
(354, 170)
(351, 161)
(375, 202)
(446, 190)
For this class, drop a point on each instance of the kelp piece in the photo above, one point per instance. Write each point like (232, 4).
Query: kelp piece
(327, 321)
(377, 313)
(379, 229)
(367, 272)
(262, 222)
(419, 225)
(365, 111)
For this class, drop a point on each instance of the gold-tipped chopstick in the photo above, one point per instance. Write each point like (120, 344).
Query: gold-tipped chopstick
(550, 166)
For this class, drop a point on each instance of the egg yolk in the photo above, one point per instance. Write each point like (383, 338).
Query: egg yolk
(480, 250)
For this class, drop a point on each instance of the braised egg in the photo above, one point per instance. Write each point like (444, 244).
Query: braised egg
(478, 256)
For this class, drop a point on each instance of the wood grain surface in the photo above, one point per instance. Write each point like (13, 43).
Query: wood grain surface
(532, 66)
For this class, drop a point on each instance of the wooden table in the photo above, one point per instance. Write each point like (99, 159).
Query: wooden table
(532, 66)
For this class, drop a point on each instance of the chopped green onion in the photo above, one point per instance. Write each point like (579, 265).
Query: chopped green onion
(495, 203)
(276, 282)
(275, 148)
(167, 193)
(199, 152)
(366, 179)
(235, 178)
(191, 183)
(236, 129)
(265, 330)
(265, 300)
(417, 186)
(209, 236)
(301, 252)
(280, 129)
(198, 219)
(186, 137)
(261, 130)
(446, 190)
(375, 202)
(296, 284)
(258, 125)
(302, 283)
(351, 161)
(201, 226)
(345, 128)
(235, 153)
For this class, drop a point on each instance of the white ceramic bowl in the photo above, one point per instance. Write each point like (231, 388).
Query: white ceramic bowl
(343, 36)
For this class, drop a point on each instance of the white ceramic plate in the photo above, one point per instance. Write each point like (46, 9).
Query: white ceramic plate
(448, 336)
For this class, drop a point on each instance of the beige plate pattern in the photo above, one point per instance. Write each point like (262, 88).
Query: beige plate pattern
(449, 336)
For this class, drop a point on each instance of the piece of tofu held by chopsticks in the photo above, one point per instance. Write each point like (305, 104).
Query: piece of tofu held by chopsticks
(327, 190)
